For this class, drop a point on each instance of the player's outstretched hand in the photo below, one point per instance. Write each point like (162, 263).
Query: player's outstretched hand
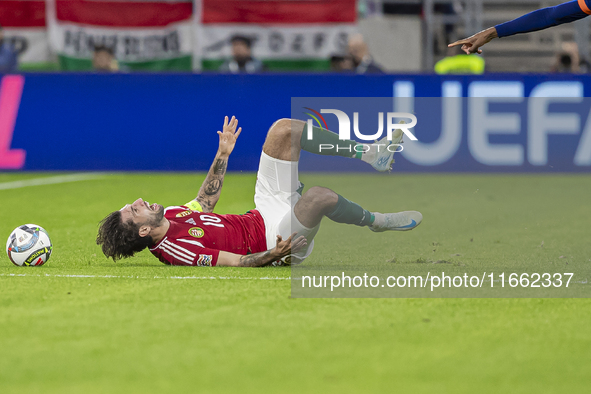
(229, 135)
(472, 44)
(290, 245)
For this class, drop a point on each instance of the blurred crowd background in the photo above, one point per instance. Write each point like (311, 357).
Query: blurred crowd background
(234, 36)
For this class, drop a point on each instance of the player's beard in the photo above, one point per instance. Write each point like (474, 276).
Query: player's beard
(156, 220)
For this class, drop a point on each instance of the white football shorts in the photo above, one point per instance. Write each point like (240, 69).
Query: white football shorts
(275, 196)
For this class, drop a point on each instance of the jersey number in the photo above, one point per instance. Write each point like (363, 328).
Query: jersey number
(209, 220)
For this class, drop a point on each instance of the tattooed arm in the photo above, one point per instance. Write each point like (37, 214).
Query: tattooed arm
(210, 191)
(282, 249)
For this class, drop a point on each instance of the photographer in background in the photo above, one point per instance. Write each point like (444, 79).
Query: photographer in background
(567, 60)
(8, 55)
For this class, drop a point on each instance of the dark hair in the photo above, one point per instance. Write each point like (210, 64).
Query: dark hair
(120, 240)
(243, 39)
(104, 48)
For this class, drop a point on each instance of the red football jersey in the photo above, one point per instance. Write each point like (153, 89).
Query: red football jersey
(196, 238)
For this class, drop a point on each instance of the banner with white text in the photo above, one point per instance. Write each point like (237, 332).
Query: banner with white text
(144, 35)
(285, 34)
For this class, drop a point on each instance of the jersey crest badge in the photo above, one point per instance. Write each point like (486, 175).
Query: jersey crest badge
(196, 232)
(204, 260)
(183, 214)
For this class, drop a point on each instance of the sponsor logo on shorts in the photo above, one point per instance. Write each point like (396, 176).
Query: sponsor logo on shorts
(183, 214)
(204, 260)
(196, 232)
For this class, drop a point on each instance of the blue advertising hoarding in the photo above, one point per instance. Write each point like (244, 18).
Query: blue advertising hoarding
(168, 122)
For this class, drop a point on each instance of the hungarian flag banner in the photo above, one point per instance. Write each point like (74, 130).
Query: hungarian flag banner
(285, 34)
(24, 29)
(144, 35)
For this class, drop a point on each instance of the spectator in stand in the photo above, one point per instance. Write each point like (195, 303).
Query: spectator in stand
(242, 60)
(363, 63)
(567, 60)
(8, 56)
(341, 63)
(103, 59)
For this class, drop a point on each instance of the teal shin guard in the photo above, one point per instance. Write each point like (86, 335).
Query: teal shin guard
(325, 142)
(350, 213)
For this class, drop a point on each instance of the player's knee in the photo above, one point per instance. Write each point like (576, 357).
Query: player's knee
(281, 129)
(321, 196)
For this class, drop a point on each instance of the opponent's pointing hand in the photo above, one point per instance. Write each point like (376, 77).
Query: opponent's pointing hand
(472, 44)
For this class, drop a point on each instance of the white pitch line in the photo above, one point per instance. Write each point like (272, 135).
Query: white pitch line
(143, 277)
(51, 180)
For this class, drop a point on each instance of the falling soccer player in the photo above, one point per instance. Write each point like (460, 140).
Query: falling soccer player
(279, 231)
(533, 21)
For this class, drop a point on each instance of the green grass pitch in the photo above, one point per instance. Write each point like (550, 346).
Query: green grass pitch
(83, 324)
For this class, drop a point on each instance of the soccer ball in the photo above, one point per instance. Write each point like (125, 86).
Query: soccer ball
(29, 244)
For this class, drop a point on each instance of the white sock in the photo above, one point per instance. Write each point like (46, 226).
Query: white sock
(379, 220)
(369, 155)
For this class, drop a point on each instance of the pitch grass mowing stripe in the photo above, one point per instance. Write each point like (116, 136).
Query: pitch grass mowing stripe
(50, 180)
